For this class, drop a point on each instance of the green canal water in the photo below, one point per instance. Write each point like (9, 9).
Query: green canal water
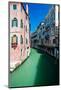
(38, 69)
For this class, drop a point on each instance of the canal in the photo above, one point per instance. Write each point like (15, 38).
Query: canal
(38, 69)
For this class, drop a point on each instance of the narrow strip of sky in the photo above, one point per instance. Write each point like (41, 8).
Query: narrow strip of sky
(37, 13)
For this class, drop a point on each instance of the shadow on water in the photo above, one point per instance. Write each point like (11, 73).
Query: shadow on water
(47, 71)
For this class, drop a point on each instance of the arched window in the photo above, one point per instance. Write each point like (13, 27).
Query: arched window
(21, 39)
(21, 23)
(14, 41)
(14, 22)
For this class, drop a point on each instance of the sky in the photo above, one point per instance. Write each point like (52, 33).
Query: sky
(37, 13)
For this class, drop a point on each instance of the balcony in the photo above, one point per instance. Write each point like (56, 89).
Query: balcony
(14, 45)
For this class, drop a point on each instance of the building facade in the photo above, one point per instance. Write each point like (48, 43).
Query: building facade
(19, 34)
(47, 33)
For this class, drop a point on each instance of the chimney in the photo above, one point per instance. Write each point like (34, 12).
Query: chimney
(27, 8)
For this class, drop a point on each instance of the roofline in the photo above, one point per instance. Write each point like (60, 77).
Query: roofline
(24, 8)
(21, 5)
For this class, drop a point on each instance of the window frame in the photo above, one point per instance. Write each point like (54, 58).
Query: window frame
(14, 6)
(14, 22)
(14, 43)
(21, 24)
(21, 39)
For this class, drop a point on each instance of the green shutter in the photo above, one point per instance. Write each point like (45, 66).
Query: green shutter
(21, 39)
(21, 23)
(14, 7)
(14, 22)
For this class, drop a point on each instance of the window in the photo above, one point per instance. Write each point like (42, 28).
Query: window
(43, 32)
(14, 7)
(26, 28)
(54, 41)
(21, 39)
(21, 23)
(26, 41)
(21, 52)
(43, 27)
(27, 47)
(21, 8)
(14, 22)
(40, 28)
(26, 17)
(14, 41)
(47, 37)
(39, 36)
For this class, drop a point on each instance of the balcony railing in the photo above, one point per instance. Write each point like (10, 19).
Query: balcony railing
(14, 45)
